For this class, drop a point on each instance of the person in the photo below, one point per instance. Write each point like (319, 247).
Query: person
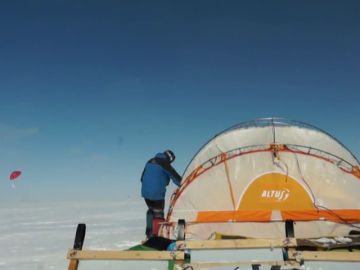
(154, 180)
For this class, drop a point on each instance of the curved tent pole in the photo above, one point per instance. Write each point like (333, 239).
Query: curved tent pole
(278, 121)
(274, 121)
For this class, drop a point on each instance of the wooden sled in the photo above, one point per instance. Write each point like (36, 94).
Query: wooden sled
(295, 251)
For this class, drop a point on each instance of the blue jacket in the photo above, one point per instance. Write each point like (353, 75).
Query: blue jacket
(156, 176)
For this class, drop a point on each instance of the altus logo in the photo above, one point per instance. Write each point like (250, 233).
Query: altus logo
(277, 194)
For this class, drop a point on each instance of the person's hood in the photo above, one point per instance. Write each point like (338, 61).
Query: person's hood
(162, 156)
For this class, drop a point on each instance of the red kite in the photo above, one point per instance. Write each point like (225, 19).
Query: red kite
(14, 175)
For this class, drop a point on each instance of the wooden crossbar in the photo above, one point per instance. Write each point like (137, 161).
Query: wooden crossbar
(236, 244)
(242, 263)
(124, 255)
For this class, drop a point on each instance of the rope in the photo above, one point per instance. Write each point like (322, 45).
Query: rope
(228, 180)
(343, 221)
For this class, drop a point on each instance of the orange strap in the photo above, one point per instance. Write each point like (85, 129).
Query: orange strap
(235, 216)
(335, 215)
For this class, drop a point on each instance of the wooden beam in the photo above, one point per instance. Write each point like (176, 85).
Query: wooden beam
(331, 256)
(236, 244)
(73, 265)
(124, 255)
(242, 263)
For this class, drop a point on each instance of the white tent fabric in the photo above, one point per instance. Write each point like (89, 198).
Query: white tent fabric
(252, 177)
(265, 132)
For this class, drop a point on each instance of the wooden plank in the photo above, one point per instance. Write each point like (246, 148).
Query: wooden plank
(330, 256)
(73, 264)
(124, 255)
(242, 263)
(236, 244)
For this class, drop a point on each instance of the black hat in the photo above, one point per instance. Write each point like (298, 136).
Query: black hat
(170, 155)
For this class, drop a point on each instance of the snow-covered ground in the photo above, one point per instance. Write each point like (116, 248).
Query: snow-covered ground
(37, 236)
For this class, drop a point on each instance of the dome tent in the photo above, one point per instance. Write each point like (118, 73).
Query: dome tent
(249, 179)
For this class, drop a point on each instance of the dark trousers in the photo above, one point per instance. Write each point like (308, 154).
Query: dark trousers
(155, 210)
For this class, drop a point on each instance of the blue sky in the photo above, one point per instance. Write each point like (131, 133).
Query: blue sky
(90, 90)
